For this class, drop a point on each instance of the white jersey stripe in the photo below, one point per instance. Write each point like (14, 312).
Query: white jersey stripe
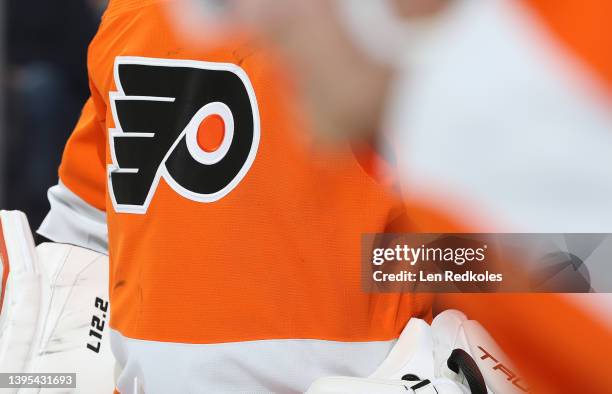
(265, 366)
(73, 221)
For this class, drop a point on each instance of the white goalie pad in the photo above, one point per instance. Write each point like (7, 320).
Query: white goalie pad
(453, 355)
(347, 385)
(54, 310)
(412, 353)
(452, 330)
(409, 368)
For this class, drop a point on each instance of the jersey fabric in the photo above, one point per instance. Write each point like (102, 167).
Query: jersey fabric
(234, 266)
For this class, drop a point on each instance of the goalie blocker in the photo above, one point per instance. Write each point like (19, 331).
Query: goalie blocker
(54, 309)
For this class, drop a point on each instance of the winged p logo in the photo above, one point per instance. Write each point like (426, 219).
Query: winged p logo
(195, 124)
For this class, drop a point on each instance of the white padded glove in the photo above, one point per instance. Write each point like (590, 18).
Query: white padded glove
(55, 309)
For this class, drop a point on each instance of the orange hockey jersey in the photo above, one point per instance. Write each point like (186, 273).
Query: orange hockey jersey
(234, 246)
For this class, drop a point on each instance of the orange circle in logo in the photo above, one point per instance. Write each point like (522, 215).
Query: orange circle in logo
(211, 132)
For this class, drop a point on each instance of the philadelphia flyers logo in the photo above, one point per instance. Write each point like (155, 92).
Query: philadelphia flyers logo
(194, 124)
